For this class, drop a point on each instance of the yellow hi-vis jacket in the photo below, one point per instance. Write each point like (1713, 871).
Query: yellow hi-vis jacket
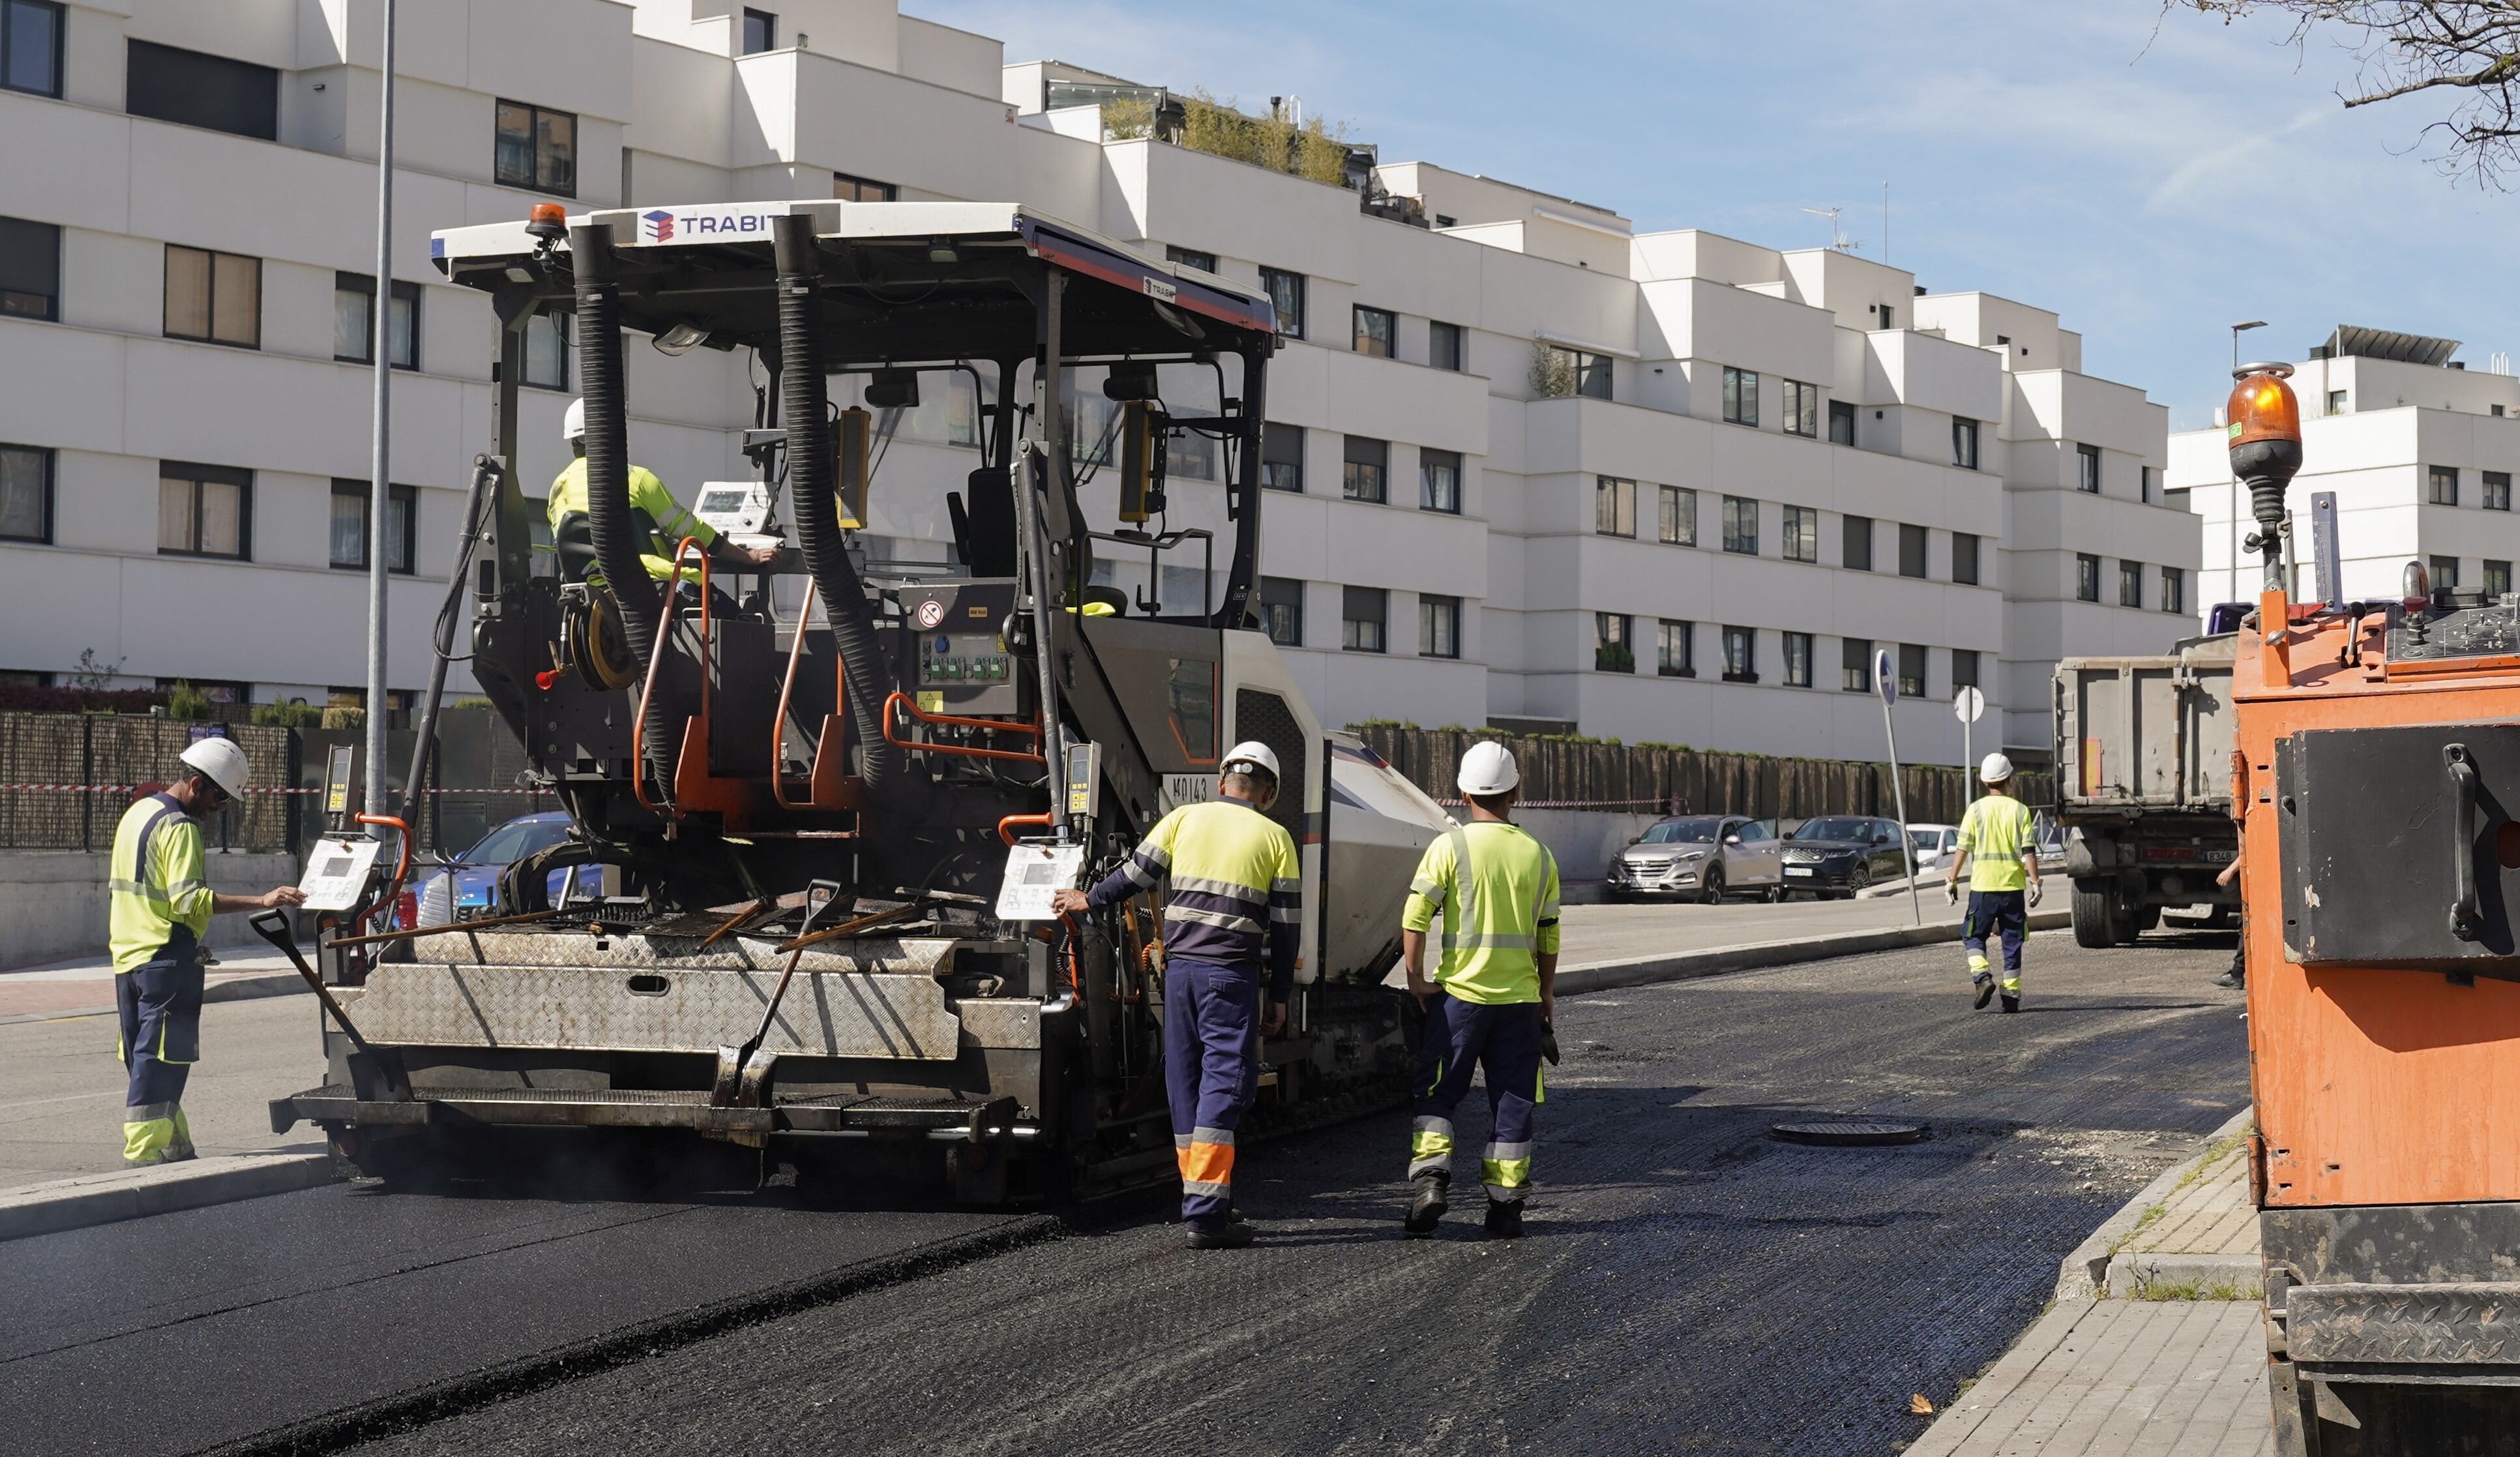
(652, 509)
(1236, 886)
(1497, 888)
(1996, 832)
(158, 880)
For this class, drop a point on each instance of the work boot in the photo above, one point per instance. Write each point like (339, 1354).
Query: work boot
(2012, 1003)
(1426, 1210)
(1504, 1220)
(1223, 1237)
(2232, 980)
(1984, 982)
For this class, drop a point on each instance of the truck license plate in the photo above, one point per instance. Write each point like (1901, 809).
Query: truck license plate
(2220, 856)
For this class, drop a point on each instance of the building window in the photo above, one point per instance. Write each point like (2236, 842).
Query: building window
(1798, 660)
(1439, 627)
(2087, 576)
(1366, 473)
(2444, 485)
(2445, 574)
(1855, 553)
(2087, 469)
(1912, 550)
(1965, 668)
(538, 149)
(1374, 328)
(1802, 408)
(1362, 613)
(1741, 654)
(760, 31)
(30, 46)
(1439, 480)
(1285, 294)
(204, 511)
(2336, 402)
(192, 89)
(1841, 421)
(1615, 505)
(26, 493)
(2146, 477)
(1741, 396)
(2130, 584)
(30, 267)
(547, 351)
(1889, 313)
(354, 320)
(1854, 664)
(1191, 257)
(1445, 348)
(850, 188)
(1675, 649)
(1614, 643)
(2497, 490)
(1676, 516)
(1964, 558)
(2497, 579)
(1281, 457)
(1911, 670)
(1964, 443)
(1802, 533)
(1281, 610)
(350, 501)
(214, 297)
(2173, 590)
(1741, 526)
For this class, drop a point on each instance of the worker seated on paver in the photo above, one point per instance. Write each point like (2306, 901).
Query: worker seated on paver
(1492, 1002)
(659, 520)
(1998, 834)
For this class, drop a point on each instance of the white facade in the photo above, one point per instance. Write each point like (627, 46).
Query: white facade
(2420, 458)
(852, 95)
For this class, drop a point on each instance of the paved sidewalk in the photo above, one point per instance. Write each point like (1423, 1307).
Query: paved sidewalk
(85, 984)
(2158, 1350)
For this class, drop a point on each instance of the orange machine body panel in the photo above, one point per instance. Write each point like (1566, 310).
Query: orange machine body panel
(2374, 1085)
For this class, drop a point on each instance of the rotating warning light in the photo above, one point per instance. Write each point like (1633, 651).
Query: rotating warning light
(547, 221)
(2263, 406)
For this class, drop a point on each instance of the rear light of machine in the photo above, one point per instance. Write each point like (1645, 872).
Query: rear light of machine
(406, 910)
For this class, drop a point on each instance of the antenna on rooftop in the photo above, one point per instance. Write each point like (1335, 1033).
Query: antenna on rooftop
(1836, 239)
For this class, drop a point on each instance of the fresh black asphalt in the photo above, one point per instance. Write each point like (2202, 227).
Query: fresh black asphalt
(1688, 1285)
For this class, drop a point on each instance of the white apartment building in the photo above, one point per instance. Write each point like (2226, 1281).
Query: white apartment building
(2419, 451)
(1534, 468)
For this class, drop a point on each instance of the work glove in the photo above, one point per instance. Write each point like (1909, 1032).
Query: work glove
(1951, 892)
(2034, 893)
(1549, 1042)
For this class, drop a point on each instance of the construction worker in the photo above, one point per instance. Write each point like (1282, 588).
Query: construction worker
(660, 520)
(1998, 833)
(159, 914)
(1234, 872)
(2237, 978)
(1492, 1003)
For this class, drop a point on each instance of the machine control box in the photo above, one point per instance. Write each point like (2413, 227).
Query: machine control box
(955, 660)
(737, 510)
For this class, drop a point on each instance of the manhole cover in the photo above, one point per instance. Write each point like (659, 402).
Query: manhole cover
(1849, 1132)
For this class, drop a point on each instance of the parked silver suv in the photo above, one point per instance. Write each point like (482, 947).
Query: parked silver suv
(1702, 857)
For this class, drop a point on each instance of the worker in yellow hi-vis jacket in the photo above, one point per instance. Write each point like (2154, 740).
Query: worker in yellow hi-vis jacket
(1998, 834)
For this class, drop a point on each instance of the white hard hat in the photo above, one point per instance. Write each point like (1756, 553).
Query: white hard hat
(1488, 769)
(222, 761)
(1255, 754)
(1996, 770)
(572, 426)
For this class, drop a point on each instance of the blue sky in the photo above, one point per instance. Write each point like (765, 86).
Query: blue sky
(2153, 178)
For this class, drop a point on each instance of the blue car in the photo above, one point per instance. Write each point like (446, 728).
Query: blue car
(468, 888)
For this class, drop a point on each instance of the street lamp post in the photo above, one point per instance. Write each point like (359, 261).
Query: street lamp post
(2231, 586)
(380, 456)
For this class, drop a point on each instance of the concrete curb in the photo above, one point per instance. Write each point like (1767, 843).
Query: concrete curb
(241, 990)
(2155, 1276)
(131, 1193)
(2090, 1272)
(1601, 976)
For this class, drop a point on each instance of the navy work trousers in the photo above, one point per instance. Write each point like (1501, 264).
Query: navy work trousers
(1459, 1038)
(159, 1005)
(1211, 1070)
(2002, 912)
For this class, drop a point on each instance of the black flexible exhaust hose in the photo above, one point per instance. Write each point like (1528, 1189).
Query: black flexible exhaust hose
(813, 480)
(618, 541)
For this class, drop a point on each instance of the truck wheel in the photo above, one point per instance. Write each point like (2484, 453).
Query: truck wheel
(2094, 921)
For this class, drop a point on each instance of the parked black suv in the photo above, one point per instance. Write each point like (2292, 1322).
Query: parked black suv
(1836, 856)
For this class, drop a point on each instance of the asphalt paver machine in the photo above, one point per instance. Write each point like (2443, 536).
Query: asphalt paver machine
(818, 808)
(2378, 780)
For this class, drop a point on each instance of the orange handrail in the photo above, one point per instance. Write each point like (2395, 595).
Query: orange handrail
(995, 725)
(779, 719)
(402, 849)
(1008, 835)
(647, 690)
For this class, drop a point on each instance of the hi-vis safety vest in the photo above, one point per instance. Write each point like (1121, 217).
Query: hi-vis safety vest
(1995, 831)
(1497, 888)
(1236, 886)
(158, 880)
(653, 508)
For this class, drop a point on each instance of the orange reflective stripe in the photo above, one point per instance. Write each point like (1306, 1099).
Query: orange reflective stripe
(1206, 1162)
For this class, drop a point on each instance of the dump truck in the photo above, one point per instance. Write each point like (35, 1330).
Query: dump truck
(2378, 792)
(820, 806)
(2144, 787)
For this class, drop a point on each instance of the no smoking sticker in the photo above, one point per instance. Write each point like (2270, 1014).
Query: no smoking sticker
(930, 614)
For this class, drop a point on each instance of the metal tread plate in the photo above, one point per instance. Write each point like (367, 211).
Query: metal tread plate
(2467, 1324)
(638, 951)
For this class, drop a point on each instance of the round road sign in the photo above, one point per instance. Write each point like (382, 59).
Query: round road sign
(1969, 705)
(1885, 675)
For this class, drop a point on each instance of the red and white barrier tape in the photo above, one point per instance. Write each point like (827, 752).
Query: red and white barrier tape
(133, 789)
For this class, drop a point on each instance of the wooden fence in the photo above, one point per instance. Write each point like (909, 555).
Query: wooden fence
(1690, 781)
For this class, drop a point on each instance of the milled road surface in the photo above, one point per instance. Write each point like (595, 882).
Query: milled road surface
(1687, 1285)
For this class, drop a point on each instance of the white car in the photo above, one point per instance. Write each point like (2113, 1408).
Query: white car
(1933, 846)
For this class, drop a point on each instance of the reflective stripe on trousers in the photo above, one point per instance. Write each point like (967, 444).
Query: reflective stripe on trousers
(1211, 1070)
(1502, 1041)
